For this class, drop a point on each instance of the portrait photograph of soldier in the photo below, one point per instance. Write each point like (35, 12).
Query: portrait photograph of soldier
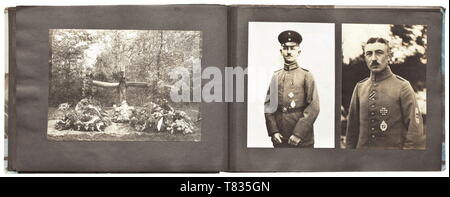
(114, 85)
(290, 85)
(383, 86)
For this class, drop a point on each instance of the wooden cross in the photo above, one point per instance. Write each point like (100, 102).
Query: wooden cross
(121, 85)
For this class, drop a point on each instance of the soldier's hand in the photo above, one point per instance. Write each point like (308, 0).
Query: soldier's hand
(294, 140)
(276, 138)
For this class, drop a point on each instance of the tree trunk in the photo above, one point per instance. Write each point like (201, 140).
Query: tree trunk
(158, 60)
(158, 64)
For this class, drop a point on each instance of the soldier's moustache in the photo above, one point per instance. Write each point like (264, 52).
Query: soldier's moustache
(374, 63)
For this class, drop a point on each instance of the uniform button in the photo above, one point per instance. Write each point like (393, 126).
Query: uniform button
(375, 84)
(372, 113)
(372, 120)
(373, 129)
(372, 105)
(373, 136)
(284, 109)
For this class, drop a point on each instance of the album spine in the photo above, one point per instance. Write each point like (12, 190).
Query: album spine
(232, 34)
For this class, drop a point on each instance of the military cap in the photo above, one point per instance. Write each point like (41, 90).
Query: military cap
(289, 36)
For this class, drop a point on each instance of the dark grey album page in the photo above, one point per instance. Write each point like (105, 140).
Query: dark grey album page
(315, 54)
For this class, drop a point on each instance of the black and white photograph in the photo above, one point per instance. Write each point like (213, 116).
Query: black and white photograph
(114, 85)
(291, 85)
(384, 86)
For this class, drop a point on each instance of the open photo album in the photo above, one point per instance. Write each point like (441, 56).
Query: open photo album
(210, 88)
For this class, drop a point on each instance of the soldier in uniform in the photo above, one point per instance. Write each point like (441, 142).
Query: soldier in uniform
(292, 103)
(383, 111)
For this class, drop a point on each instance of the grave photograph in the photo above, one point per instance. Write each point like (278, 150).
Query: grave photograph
(114, 85)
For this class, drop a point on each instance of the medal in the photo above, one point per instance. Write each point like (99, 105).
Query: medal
(384, 111)
(383, 126)
(417, 115)
(291, 95)
(292, 104)
(372, 95)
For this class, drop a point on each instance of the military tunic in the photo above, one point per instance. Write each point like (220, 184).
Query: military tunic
(383, 113)
(297, 106)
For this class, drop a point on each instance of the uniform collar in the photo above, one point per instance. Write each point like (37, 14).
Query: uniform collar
(291, 66)
(386, 73)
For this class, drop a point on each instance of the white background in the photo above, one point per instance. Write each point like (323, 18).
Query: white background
(442, 3)
(264, 57)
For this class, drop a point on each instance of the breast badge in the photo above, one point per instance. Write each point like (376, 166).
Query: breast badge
(383, 126)
(292, 104)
